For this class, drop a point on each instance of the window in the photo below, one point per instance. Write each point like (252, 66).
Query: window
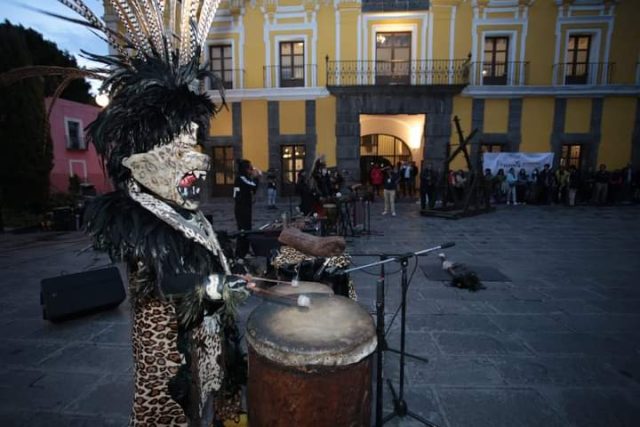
(292, 158)
(222, 170)
(292, 64)
(494, 65)
(490, 148)
(577, 67)
(393, 58)
(221, 63)
(75, 139)
(571, 156)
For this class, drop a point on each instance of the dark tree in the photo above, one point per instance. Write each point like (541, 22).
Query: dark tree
(25, 150)
(45, 52)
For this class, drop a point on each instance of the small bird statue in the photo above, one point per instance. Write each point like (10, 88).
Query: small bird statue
(461, 276)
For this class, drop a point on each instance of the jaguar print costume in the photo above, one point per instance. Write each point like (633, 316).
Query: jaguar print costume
(156, 358)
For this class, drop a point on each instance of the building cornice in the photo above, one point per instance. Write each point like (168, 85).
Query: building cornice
(272, 94)
(578, 91)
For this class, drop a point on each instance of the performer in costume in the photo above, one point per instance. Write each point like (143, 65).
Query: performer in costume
(187, 365)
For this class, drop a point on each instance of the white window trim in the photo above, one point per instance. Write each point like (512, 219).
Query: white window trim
(565, 18)
(84, 168)
(520, 18)
(512, 36)
(309, 80)
(83, 143)
(220, 42)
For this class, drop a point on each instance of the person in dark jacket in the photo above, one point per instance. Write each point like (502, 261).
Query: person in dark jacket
(244, 188)
(427, 187)
(575, 183)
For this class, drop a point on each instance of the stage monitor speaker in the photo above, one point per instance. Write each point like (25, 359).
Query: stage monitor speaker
(72, 295)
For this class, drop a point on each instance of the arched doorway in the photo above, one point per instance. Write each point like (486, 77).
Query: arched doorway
(382, 149)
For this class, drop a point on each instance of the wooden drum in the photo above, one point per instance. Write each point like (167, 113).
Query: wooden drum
(310, 366)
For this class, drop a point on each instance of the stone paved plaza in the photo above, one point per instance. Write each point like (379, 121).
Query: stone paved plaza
(558, 345)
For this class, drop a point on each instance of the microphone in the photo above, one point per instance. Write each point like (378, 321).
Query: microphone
(447, 245)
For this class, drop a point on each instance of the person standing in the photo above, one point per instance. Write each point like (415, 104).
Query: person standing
(562, 180)
(244, 189)
(413, 168)
(545, 182)
(574, 184)
(272, 191)
(521, 186)
(511, 187)
(601, 185)
(390, 186)
(427, 187)
(376, 176)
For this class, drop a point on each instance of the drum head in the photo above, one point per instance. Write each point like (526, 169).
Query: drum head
(302, 288)
(333, 331)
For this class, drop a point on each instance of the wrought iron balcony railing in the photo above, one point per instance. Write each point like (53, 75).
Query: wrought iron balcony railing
(512, 73)
(383, 73)
(583, 73)
(231, 79)
(303, 75)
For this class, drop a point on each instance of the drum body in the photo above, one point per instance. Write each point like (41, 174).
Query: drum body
(310, 366)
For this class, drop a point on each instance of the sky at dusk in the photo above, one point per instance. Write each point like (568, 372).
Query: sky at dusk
(68, 36)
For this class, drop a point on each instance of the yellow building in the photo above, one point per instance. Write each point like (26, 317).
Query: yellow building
(356, 79)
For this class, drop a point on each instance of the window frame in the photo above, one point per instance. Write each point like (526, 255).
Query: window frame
(566, 160)
(287, 184)
(393, 77)
(571, 58)
(492, 77)
(227, 84)
(82, 144)
(226, 162)
(490, 147)
(291, 82)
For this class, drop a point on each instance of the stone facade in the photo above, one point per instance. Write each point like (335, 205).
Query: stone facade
(590, 141)
(436, 103)
(276, 140)
(235, 141)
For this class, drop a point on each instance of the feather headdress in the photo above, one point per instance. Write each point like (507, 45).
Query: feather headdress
(151, 79)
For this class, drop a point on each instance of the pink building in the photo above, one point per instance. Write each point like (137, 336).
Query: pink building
(71, 152)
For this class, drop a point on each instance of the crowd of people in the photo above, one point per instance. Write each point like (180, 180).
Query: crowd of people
(543, 186)
(568, 186)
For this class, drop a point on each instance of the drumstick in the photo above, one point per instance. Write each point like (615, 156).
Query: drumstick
(300, 300)
(264, 279)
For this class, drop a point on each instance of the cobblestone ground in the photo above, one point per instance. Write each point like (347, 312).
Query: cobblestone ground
(558, 345)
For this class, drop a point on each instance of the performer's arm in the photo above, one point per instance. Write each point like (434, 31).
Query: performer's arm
(213, 285)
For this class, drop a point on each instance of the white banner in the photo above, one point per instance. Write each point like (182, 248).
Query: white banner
(517, 161)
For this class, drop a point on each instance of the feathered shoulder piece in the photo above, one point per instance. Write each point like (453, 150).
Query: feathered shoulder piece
(127, 231)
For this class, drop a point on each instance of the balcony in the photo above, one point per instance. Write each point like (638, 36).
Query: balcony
(397, 73)
(304, 75)
(577, 73)
(499, 73)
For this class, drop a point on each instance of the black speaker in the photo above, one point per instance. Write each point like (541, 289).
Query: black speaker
(72, 295)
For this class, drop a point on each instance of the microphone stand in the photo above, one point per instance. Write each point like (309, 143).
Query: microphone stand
(400, 407)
